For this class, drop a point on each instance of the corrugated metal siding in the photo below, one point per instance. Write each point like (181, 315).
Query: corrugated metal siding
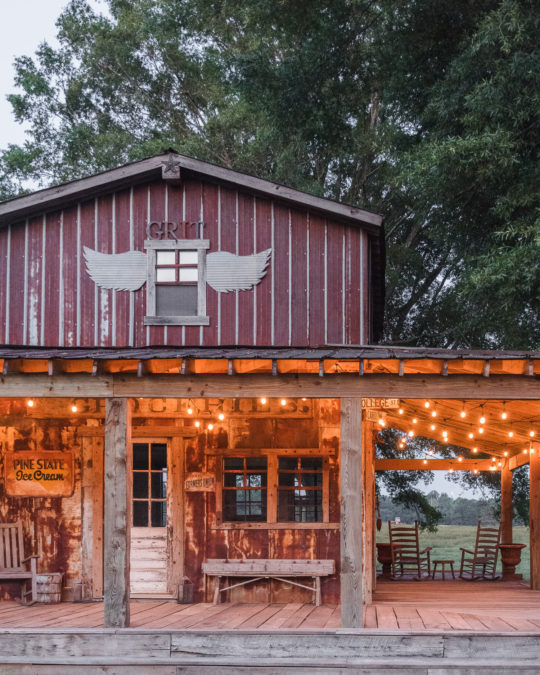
(315, 291)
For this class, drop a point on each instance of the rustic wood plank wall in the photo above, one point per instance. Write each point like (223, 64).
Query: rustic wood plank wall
(316, 289)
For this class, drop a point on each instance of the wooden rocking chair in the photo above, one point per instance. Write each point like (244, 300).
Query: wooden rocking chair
(482, 562)
(13, 561)
(406, 553)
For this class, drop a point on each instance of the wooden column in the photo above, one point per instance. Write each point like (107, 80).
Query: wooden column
(116, 513)
(351, 513)
(507, 509)
(534, 517)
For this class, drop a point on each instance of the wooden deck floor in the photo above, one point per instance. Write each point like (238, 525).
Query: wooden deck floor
(400, 605)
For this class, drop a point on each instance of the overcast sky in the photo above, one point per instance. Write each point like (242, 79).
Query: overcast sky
(24, 24)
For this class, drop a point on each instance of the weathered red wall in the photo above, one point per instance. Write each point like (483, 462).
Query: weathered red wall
(314, 293)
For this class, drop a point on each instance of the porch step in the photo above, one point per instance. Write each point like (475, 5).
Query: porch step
(190, 652)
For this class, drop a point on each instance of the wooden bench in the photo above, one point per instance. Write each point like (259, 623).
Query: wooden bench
(256, 569)
(13, 561)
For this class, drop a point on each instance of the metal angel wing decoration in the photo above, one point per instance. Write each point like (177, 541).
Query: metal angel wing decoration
(228, 272)
(224, 271)
(118, 271)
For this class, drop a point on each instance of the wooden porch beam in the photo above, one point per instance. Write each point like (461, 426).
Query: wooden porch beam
(352, 601)
(506, 505)
(434, 465)
(116, 540)
(518, 460)
(534, 517)
(502, 387)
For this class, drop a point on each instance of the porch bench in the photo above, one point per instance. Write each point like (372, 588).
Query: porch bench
(255, 569)
(13, 561)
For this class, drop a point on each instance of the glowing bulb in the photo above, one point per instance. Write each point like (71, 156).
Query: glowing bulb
(492, 468)
(427, 404)
(263, 400)
(221, 417)
(482, 420)
(414, 420)
(531, 434)
(283, 401)
(197, 423)
(411, 433)
(471, 435)
(460, 459)
(401, 411)
(381, 421)
(450, 470)
(480, 430)
(531, 451)
(304, 399)
(504, 415)
(493, 459)
(433, 427)
(445, 433)
(511, 434)
(475, 470)
(506, 453)
(525, 451)
(30, 403)
(404, 439)
(500, 463)
(462, 414)
(475, 450)
(425, 461)
(433, 413)
(210, 427)
(190, 411)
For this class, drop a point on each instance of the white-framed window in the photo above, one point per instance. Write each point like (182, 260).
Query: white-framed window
(176, 283)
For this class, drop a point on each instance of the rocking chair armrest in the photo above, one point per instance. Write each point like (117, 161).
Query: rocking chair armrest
(466, 550)
(426, 550)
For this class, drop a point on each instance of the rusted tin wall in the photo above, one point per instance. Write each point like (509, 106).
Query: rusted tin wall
(51, 526)
(315, 291)
(204, 538)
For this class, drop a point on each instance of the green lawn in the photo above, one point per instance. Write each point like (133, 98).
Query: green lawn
(448, 539)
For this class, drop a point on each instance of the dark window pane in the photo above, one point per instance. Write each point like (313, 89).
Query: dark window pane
(244, 505)
(159, 456)
(234, 463)
(177, 300)
(311, 479)
(288, 463)
(159, 514)
(233, 479)
(301, 506)
(140, 485)
(159, 485)
(288, 479)
(140, 456)
(140, 514)
(256, 480)
(311, 463)
(255, 462)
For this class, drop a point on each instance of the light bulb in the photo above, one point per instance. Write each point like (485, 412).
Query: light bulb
(411, 433)
(190, 411)
(197, 423)
(482, 420)
(210, 427)
(475, 470)
(263, 400)
(433, 427)
(462, 414)
(304, 399)
(30, 403)
(504, 415)
(460, 459)
(401, 411)
(283, 401)
(73, 408)
(475, 450)
(525, 451)
(445, 433)
(506, 453)
(425, 461)
(381, 421)
(471, 435)
(427, 404)
(450, 470)
(414, 420)
(531, 434)
(511, 434)
(433, 413)
(221, 417)
(492, 468)
(480, 430)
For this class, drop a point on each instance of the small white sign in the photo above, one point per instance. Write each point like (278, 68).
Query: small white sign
(380, 403)
(200, 482)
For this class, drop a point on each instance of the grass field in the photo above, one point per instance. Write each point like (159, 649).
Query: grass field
(448, 539)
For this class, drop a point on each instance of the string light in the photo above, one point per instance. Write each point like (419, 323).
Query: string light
(414, 420)
(411, 433)
(210, 427)
(475, 450)
(471, 435)
(511, 434)
(197, 424)
(504, 414)
(525, 451)
(460, 459)
(433, 413)
(73, 408)
(463, 414)
(475, 470)
(401, 411)
(482, 420)
(190, 411)
(221, 417)
(30, 403)
(283, 401)
(425, 461)
(445, 433)
(506, 453)
(492, 468)
(382, 422)
(481, 430)
(450, 470)
(427, 404)
(531, 434)
(263, 400)
(433, 427)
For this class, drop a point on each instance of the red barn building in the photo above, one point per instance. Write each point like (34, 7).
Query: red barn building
(187, 354)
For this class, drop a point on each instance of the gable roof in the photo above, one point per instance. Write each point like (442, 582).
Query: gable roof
(163, 166)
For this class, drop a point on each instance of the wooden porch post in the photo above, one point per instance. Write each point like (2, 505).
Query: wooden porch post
(534, 517)
(116, 513)
(351, 513)
(507, 509)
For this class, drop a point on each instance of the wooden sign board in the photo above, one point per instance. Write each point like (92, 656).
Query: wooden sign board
(38, 474)
(380, 403)
(372, 415)
(200, 482)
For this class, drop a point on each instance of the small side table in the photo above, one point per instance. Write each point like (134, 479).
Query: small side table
(443, 564)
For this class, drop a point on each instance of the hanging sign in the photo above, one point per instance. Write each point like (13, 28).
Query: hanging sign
(200, 482)
(38, 474)
(380, 403)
